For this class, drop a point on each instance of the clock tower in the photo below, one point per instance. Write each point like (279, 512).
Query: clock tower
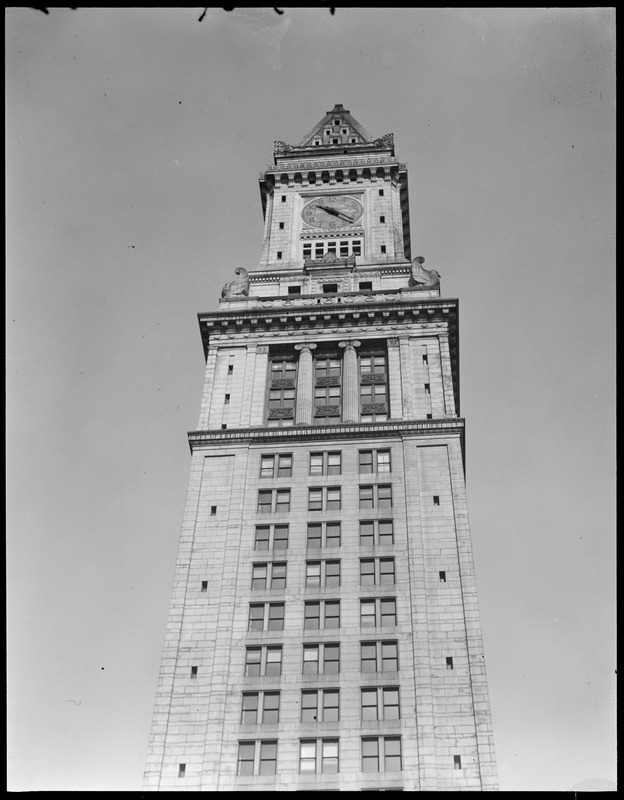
(324, 630)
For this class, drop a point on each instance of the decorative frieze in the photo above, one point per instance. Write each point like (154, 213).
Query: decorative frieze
(281, 413)
(437, 427)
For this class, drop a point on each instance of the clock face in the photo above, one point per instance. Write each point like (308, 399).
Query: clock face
(332, 211)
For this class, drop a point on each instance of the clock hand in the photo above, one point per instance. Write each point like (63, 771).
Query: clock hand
(329, 209)
(335, 212)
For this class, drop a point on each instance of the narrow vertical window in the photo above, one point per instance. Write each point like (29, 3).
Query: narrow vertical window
(373, 387)
(282, 388)
(181, 770)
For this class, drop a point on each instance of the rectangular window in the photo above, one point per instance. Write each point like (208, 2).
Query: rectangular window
(307, 250)
(373, 387)
(323, 534)
(367, 497)
(265, 501)
(376, 571)
(321, 659)
(321, 614)
(382, 219)
(265, 660)
(294, 290)
(279, 255)
(379, 496)
(380, 703)
(276, 466)
(324, 498)
(271, 537)
(263, 537)
(268, 575)
(270, 707)
(381, 754)
(372, 461)
(257, 758)
(381, 193)
(379, 656)
(376, 533)
(249, 708)
(320, 705)
(365, 286)
(273, 500)
(318, 755)
(324, 574)
(266, 617)
(282, 500)
(326, 463)
(376, 612)
(282, 388)
(383, 248)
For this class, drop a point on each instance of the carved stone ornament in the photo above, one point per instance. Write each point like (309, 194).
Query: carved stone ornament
(368, 379)
(387, 140)
(330, 380)
(283, 383)
(374, 408)
(282, 147)
(281, 413)
(327, 411)
(238, 287)
(422, 278)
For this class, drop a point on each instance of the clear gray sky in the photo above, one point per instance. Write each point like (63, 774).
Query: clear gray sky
(135, 138)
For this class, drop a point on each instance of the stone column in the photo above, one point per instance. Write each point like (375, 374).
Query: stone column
(350, 383)
(305, 381)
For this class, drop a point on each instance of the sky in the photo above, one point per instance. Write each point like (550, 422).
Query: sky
(134, 143)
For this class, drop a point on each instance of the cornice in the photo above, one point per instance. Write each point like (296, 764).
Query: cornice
(452, 426)
(382, 314)
(332, 163)
(399, 303)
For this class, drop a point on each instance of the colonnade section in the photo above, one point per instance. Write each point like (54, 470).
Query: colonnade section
(238, 382)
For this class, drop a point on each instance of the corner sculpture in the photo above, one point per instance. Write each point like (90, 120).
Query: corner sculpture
(238, 287)
(422, 278)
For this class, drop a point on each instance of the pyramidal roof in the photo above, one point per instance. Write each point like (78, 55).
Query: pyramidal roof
(337, 123)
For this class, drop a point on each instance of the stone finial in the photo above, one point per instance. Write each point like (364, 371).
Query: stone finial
(238, 287)
(422, 278)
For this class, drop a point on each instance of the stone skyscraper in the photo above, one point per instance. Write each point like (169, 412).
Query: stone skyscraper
(324, 631)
